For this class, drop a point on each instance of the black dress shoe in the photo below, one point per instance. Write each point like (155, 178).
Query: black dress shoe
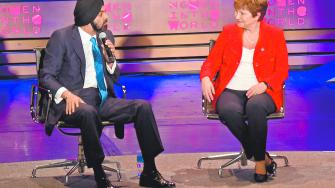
(154, 179)
(103, 183)
(260, 178)
(271, 169)
(100, 177)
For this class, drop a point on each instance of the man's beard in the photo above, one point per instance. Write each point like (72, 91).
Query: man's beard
(97, 29)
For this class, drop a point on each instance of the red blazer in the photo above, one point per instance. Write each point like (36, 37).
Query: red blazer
(270, 60)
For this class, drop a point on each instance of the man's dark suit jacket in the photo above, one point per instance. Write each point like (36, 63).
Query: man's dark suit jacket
(64, 66)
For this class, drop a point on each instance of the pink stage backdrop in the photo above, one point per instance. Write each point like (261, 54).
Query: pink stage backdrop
(40, 19)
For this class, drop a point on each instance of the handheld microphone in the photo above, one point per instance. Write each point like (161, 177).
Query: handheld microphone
(103, 38)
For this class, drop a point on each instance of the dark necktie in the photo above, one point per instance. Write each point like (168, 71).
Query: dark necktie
(99, 70)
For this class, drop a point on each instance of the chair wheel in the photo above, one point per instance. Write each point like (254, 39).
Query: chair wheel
(33, 173)
(220, 172)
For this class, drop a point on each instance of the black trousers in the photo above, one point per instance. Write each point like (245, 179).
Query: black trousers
(246, 119)
(88, 118)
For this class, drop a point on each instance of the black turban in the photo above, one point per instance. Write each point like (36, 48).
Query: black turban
(86, 11)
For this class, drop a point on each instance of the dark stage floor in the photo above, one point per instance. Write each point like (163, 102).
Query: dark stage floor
(309, 124)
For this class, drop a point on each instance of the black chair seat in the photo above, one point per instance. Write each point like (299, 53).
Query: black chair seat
(73, 130)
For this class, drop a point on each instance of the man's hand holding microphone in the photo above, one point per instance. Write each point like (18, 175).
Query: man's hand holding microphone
(109, 49)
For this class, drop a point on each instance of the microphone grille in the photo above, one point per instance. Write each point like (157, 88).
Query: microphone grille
(102, 35)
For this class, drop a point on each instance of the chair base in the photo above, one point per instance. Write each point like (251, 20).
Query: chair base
(77, 165)
(234, 158)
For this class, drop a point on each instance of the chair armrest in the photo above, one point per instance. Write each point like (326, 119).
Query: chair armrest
(39, 111)
(32, 106)
(208, 110)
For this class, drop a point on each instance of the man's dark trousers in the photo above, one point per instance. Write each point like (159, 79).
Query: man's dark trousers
(88, 118)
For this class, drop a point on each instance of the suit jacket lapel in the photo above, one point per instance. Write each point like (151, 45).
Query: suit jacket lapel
(78, 48)
(102, 55)
(260, 48)
(237, 43)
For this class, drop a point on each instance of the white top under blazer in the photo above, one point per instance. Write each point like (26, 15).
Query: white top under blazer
(244, 77)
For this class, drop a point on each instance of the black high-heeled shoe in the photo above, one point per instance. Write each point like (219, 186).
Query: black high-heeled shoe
(260, 178)
(271, 169)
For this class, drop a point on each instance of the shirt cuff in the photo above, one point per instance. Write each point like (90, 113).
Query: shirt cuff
(58, 96)
(111, 70)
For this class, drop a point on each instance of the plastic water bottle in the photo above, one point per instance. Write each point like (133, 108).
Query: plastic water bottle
(140, 163)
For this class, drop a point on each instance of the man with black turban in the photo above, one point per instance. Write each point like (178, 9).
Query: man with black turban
(78, 72)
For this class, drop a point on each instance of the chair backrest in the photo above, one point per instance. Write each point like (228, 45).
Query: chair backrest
(210, 112)
(39, 55)
(40, 97)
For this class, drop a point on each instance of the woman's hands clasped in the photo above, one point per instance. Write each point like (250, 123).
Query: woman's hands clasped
(208, 90)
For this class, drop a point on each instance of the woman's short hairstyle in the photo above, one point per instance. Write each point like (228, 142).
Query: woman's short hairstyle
(254, 6)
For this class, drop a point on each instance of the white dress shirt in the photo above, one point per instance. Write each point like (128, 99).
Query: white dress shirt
(244, 77)
(90, 74)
